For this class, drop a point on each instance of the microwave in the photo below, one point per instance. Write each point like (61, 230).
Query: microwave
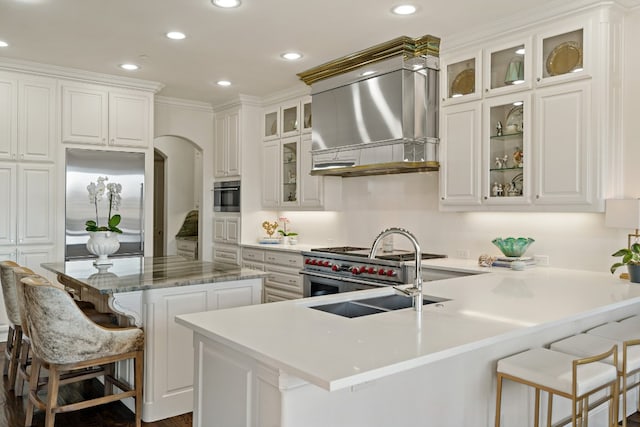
(226, 196)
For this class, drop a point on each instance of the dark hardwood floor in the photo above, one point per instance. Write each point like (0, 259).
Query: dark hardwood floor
(110, 415)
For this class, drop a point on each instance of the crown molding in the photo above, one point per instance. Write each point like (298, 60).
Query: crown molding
(298, 91)
(21, 66)
(184, 103)
(246, 100)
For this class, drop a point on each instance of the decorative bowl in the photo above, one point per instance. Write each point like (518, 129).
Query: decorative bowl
(513, 247)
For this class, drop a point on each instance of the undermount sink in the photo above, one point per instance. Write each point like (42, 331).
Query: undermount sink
(367, 306)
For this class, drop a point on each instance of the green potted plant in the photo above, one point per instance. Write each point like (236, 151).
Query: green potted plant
(630, 258)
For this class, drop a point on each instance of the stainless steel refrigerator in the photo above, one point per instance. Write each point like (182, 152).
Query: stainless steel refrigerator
(84, 167)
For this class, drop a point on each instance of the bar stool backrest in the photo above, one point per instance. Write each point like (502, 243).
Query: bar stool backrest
(9, 291)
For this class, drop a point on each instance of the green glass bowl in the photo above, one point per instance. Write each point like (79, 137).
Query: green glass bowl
(513, 247)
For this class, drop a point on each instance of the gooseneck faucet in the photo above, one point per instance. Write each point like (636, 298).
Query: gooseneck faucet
(416, 291)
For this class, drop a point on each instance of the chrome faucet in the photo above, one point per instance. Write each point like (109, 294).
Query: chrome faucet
(416, 291)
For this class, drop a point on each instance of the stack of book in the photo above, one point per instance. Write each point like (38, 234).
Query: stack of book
(505, 261)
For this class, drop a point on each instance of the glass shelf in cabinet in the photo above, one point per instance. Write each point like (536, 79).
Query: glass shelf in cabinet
(506, 136)
(518, 168)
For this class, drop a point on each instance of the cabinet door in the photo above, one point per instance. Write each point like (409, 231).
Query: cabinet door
(232, 226)
(460, 79)
(271, 123)
(305, 114)
(460, 155)
(289, 172)
(290, 119)
(37, 115)
(219, 229)
(8, 208)
(129, 116)
(8, 117)
(270, 174)
(564, 54)
(219, 161)
(32, 257)
(233, 143)
(310, 186)
(36, 198)
(564, 162)
(507, 67)
(84, 115)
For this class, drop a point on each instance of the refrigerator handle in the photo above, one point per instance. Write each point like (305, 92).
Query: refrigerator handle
(142, 218)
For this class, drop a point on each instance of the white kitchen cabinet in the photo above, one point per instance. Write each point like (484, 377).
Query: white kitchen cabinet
(508, 67)
(98, 115)
(460, 78)
(460, 155)
(284, 280)
(226, 236)
(227, 143)
(27, 118)
(564, 159)
(271, 174)
(311, 187)
(226, 253)
(564, 53)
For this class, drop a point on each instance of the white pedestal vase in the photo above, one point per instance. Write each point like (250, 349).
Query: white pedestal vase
(103, 244)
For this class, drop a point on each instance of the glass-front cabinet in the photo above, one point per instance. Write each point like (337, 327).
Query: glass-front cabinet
(563, 56)
(507, 150)
(508, 68)
(306, 115)
(461, 79)
(271, 124)
(290, 171)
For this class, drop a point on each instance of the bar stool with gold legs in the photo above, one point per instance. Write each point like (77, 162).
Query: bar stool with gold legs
(563, 375)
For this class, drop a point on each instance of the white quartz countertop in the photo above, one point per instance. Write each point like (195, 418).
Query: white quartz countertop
(335, 352)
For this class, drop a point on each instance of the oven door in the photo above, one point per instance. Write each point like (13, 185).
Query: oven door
(316, 284)
(226, 196)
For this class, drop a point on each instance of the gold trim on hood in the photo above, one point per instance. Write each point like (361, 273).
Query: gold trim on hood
(407, 46)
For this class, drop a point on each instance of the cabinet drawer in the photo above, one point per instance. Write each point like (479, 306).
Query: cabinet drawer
(275, 295)
(226, 253)
(253, 254)
(187, 254)
(284, 258)
(253, 265)
(186, 245)
(284, 278)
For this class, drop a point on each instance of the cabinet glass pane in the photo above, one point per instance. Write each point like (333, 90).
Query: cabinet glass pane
(461, 77)
(506, 156)
(562, 53)
(507, 67)
(306, 116)
(271, 124)
(289, 119)
(289, 172)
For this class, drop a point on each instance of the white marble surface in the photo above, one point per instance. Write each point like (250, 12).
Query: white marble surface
(335, 352)
(299, 247)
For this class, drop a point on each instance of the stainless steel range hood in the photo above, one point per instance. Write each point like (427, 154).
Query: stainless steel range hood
(385, 121)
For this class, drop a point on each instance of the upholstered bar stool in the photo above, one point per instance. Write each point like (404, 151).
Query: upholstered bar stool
(73, 348)
(627, 332)
(561, 374)
(583, 345)
(14, 337)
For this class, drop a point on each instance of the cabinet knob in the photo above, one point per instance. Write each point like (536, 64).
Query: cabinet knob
(441, 198)
(537, 196)
(538, 79)
(487, 90)
(486, 198)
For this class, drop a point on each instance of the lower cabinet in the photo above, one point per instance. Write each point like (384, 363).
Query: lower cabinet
(284, 281)
(229, 254)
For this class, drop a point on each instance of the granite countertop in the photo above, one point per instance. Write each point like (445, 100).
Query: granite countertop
(335, 352)
(137, 273)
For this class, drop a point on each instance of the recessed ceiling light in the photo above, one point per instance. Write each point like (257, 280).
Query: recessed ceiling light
(224, 83)
(404, 9)
(520, 51)
(518, 103)
(226, 3)
(129, 67)
(3, 44)
(367, 73)
(175, 35)
(291, 56)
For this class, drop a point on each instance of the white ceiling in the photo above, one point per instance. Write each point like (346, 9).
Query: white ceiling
(242, 45)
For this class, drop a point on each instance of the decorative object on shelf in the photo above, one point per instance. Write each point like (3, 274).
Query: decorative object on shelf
(505, 159)
(291, 197)
(515, 72)
(287, 235)
(494, 189)
(103, 240)
(511, 129)
(274, 128)
(514, 118)
(498, 163)
(499, 129)
(292, 177)
(625, 213)
(518, 157)
(513, 247)
(500, 190)
(464, 83)
(630, 258)
(564, 58)
(270, 227)
(486, 260)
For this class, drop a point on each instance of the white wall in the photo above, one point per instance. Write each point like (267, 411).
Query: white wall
(631, 95)
(192, 121)
(180, 185)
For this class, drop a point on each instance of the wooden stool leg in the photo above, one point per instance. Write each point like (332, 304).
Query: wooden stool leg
(139, 374)
(52, 395)
(109, 373)
(8, 349)
(15, 354)
(33, 390)
(498, 400)
(22, 367)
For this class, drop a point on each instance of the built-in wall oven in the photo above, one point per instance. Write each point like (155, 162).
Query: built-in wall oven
(346, 269)
(226, 196)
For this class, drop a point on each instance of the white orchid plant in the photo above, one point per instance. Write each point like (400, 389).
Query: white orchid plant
(97, 192)
(283, 232)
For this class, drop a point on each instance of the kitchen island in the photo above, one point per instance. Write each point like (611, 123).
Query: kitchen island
(150, 292)
(286, 364)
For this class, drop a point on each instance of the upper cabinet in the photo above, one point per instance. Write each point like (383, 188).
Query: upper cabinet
(27, 118)
(540, 135)
(103, 116)
(227, 144)
(288, 119)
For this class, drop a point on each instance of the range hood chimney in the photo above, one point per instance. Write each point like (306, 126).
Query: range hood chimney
(376, 111)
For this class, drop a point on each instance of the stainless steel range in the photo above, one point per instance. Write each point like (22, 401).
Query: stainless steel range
(348, 268)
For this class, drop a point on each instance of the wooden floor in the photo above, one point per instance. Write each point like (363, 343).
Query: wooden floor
(110, 415)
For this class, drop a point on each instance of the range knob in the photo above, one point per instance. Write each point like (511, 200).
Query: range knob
(335, 267)
(355, 270)
(363, 269)
(307, 261)
(314, 262)
(371, 270)
(382, 272)
(326, 263)
(391, 273)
